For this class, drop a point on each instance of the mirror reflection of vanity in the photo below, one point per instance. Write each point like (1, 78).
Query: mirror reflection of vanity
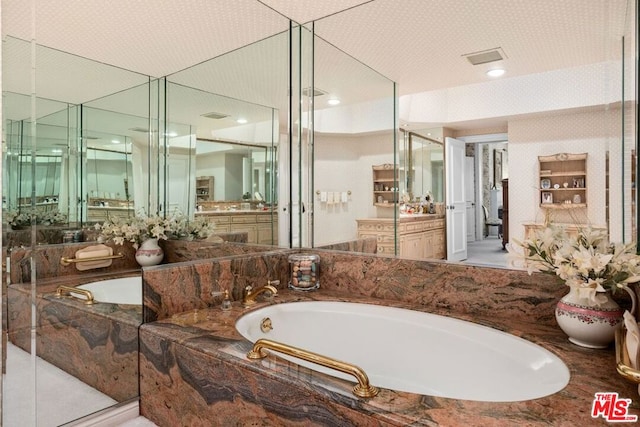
(231, 179)
(420, 232)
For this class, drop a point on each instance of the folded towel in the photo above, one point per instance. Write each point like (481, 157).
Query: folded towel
(632, 340)
(94, 252)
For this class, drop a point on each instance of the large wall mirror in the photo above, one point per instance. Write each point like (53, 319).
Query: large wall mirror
(423, 160)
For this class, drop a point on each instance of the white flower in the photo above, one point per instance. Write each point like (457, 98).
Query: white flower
(586, 262)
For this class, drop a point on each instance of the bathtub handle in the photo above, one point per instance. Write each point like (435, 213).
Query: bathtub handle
(362, 389)
(64, 261)
(70, 291)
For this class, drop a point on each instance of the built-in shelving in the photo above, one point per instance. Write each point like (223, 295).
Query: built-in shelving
(563, 181)
(204, 188)
(385, 185)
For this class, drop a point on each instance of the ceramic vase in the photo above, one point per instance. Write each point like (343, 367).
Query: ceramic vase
(588, 324)
(149, 253)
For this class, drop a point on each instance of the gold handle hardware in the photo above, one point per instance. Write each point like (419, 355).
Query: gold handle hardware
(66, 261)
(362, 389)
(623, 364)
(266, 325)
(70, 291)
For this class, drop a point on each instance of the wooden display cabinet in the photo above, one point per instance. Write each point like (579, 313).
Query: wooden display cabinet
(204, 188)
(385, 185)
(563, 181)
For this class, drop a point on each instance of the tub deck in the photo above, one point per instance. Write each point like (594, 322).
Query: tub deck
(98, 344)
(193, 368)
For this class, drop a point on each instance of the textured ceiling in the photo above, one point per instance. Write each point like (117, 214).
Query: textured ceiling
(417, 43)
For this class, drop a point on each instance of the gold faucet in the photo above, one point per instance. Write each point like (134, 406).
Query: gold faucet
(249, 295)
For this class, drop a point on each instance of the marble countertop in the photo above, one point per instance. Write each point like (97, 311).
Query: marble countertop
(213, 331)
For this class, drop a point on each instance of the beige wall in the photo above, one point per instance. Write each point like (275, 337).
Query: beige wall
(589, 132)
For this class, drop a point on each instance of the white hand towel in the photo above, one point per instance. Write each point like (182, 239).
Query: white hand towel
(330, 198)
(632, 338)
(336, 197)
(344, 197)
(323, 196)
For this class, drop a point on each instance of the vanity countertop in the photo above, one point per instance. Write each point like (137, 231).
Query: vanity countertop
(211, 333)
(406, 218)
(236, 212)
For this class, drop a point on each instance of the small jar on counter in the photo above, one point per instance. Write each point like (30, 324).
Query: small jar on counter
(305, 272)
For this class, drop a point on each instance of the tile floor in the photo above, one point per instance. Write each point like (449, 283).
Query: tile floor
(487, 252)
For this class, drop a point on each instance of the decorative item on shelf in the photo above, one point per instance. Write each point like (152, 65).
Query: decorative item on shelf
(593, 269)
(545, 183)
(149, 253)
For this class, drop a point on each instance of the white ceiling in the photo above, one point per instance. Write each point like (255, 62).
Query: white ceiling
(417, 43)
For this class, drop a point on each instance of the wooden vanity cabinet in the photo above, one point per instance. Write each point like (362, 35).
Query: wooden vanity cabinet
(419, 237)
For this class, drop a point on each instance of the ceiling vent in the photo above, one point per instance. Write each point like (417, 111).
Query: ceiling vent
(485, 56)
(215, 116)
(316, 92)
(139, 129)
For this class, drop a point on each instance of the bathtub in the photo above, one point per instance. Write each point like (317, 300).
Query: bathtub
(125, 290)
(412, 351)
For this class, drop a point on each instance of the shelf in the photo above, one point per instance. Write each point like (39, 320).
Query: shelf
(568, 173)
(562, 205)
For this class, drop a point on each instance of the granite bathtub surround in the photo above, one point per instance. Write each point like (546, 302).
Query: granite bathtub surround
(97, 344)
(194, 371)
(367, 245)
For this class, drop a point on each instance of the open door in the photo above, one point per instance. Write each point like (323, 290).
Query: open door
(455, 201)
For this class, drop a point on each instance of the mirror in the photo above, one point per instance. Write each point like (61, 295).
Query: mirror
(423, 159)
(230, 172)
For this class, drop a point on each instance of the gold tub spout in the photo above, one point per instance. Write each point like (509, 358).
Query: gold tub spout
(62, 290)
(249, 295)
(362, 389)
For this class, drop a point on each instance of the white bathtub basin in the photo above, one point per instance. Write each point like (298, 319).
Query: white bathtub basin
(411, 351)
(125, 290)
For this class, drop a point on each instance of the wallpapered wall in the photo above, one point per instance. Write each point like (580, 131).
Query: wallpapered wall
(589, 132)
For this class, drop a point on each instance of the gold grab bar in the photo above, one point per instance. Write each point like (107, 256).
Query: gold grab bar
(68, 289)
(362, 389)
(66, 261)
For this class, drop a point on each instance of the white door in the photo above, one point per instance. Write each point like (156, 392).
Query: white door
(455, 202)
(471, 198)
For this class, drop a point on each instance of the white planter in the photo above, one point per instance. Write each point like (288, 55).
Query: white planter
(149, 253)
(587, 324)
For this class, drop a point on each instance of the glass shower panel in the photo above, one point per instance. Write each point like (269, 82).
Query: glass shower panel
(48, 348)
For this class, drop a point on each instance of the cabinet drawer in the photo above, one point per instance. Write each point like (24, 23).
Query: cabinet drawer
(243, 219)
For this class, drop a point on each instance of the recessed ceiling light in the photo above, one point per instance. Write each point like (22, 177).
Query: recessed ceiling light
(496, 72)
(115, 141)
(241, 121)
(333, 101)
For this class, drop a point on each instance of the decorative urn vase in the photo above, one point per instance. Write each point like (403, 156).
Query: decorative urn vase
(588, 324)
(149, 253)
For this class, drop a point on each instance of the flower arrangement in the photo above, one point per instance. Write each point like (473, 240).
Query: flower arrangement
(142, 227)
(586, 262)
(134, 229)
(24, 217)
(198, 228)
